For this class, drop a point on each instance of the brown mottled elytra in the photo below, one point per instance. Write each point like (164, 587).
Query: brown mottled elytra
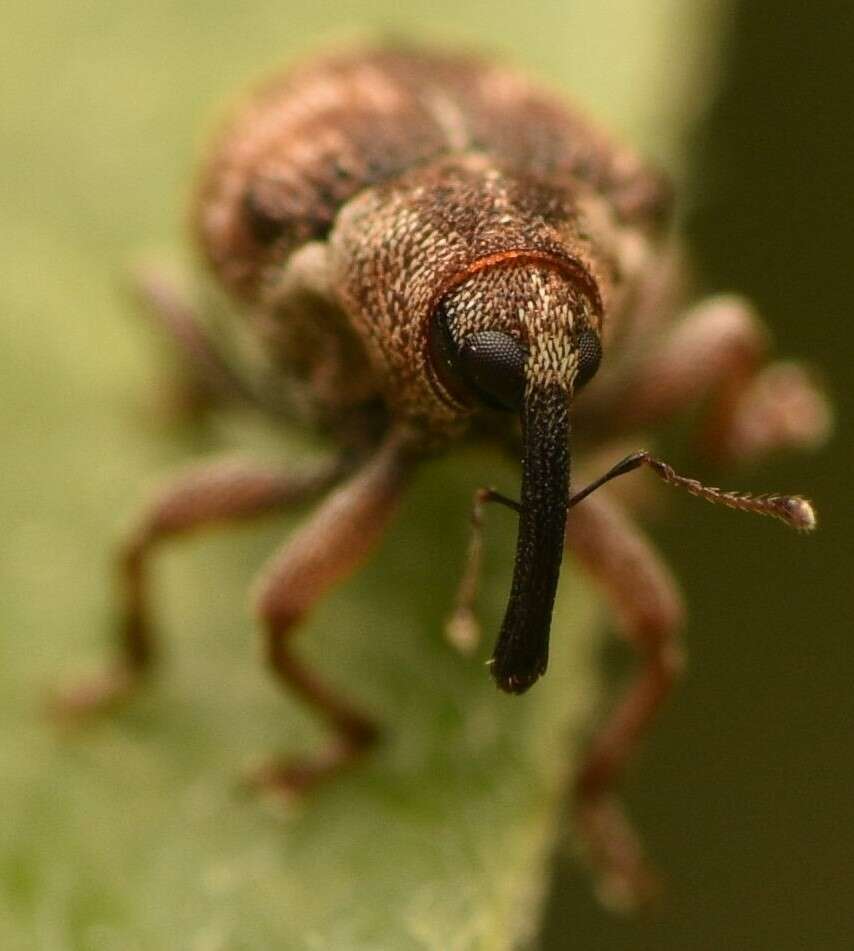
(431, 250)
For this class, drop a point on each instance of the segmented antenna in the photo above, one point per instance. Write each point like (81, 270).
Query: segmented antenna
(796, 511)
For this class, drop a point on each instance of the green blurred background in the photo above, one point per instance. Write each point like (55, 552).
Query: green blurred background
(759, 840)
(743, 793)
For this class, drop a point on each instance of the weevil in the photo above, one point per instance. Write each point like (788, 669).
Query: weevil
(431, 250)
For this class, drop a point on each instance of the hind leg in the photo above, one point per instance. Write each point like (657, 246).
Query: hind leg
(206, 377)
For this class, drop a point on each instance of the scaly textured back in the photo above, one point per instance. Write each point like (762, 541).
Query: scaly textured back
(310, 140)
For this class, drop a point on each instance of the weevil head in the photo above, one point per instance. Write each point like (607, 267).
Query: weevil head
(509, 332)
(523, 338)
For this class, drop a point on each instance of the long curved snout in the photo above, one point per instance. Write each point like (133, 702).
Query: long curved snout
(522, 339)
(521, 652)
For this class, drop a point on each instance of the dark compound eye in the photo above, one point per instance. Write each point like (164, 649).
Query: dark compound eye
(487, 364)
(589, 357)
(493, 365)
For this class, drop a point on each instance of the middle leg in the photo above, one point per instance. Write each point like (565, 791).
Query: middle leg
(209, 494)
(341, 534)
(717, 351)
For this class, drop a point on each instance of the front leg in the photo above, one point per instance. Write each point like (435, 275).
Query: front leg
(645, 600)
(341, 534)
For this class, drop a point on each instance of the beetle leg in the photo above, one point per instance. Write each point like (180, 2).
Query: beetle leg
(718, 350)
(207, 378)
(461, 628)
(780, 407)
(645, 600)
(336, 539)
(216, 492)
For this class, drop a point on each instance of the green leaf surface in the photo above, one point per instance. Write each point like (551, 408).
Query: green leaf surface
(134, 834)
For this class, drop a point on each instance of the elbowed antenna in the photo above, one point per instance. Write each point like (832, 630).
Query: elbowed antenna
(522, 650)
